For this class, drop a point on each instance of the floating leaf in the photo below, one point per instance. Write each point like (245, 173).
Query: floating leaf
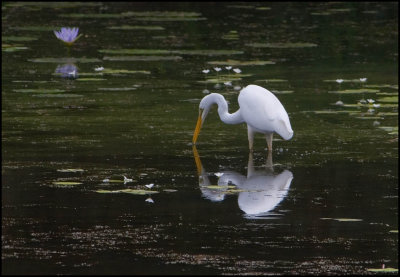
(58, 95)
(36, 28)
(394, 231)
(65, 60)
(124, 71)
(201, 52)
(240, 63)
(388, 269)
(90, 79)
(128, 27)
(62, 183)
(350, 91)
(263, 8)
(389, 99)
(342, 219)
(15, 38)
(117, 89)
(282, 45)
(70, 170)
(219, 187)
(12, 47)
(38, 90)
(131, 191)
(142, 58)
(170, 190)
(383, 86)
(272, 80)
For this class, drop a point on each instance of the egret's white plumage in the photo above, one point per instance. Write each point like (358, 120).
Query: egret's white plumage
(259, 109)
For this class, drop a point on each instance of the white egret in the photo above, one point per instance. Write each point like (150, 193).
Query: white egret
(259, 109)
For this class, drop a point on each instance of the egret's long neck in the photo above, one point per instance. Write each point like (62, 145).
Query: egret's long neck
(226, 117)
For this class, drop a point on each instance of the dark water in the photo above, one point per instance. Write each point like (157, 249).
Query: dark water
(325, 202)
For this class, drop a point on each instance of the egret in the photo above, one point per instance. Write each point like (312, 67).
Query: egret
(259, 109)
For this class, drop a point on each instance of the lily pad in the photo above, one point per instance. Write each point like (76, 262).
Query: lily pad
(170, 190)
(394, 231)
(351, 91)
(389, 99)
(240, 63)
(70, 170)
(343, 219)
(38, 90)
(129, 27)
(91, 79)
(124, 71)
(390, 129)
(161, 14)
(62, 183)
(282, 45)
(272, 80)
(65, 60)
(12, 47)
(219, 187)
(388, 269)
(58, 95)
(36, 28)
(383, 86)
(131, 191)
(201, 52)
(15, 38)
(142, 58)
(92, 15)
(117, 89)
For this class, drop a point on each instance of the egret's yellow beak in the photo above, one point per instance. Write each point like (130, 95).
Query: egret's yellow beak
(197, 160)
(198, 126)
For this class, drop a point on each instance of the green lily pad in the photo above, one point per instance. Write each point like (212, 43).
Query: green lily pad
(131, 191)
(240, 63)
(15, 38)
(124, 71)
(391, 129)
(12, 47)
(65, 60)
(70, 170)
(92, 15)
(339, 10)
(62, 183)
(320, 13)
(90, 79)
(142, 58)
(117, 89)
(38, 90)
(58, 95)
(389, 99)
(282, 91)
(36, 28)
(263, 8)
(394, 231)
(351, 91)
(383, 86)
(272, 80)
(129, 27)
(388, 269)
(219, 187)
(161, 14)
(282, 45)
(204, 52)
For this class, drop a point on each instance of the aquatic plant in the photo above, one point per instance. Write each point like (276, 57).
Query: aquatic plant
(68, 35)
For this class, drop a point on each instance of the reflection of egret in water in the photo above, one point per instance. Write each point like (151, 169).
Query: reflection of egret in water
(259, 192)
(69, 71)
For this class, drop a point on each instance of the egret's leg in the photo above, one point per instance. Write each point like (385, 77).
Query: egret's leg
(269, 141)
(269, 165)
(250, 135)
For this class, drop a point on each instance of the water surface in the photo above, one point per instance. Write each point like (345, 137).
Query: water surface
(324, 202)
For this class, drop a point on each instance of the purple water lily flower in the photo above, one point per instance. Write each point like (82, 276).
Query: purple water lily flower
(68, 35)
